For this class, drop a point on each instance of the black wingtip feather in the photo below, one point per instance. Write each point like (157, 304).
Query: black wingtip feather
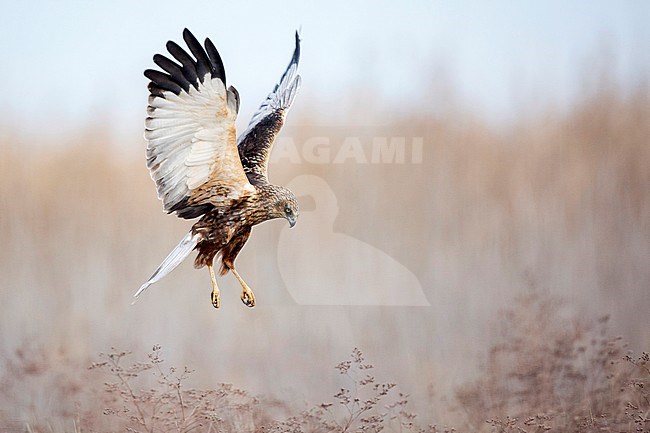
(295, 58)
(296, 51)
(189, 66)
(173, 70)
(162, 80)
(218, 71)
(203, 64)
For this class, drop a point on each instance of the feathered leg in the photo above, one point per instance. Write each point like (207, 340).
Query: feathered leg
(215, 295)
(228, 255)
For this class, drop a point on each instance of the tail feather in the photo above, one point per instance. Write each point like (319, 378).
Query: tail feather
(178, 254)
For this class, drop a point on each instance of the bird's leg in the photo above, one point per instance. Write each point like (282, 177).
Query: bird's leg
(247, 296)
(215, 296)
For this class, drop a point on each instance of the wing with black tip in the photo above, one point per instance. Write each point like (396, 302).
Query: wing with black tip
(190, 130)
(256, 141)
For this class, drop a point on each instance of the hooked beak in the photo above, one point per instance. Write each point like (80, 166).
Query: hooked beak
(292, 220)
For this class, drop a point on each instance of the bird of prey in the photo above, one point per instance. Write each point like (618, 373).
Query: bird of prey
(201, 168)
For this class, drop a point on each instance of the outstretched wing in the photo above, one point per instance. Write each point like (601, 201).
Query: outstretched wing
(190, 129)
(256, 141)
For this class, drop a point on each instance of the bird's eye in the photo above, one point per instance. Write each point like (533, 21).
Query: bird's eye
(287, 210)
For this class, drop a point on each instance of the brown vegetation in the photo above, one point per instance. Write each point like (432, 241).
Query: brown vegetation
(547, 372)
(553, 373)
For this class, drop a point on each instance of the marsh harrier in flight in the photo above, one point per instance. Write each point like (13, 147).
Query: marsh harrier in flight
(201, 168)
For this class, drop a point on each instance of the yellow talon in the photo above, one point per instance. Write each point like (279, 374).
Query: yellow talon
(215, 297)
(248, 298)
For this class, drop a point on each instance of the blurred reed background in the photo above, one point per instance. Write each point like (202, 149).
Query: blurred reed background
(556, 202)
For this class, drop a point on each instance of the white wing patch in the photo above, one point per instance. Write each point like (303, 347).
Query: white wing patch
(191, 140)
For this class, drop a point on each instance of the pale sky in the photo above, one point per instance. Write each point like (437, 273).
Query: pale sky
(68, 63)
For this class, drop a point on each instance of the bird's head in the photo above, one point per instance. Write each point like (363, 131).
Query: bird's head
(283, 203)
(289, 208)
